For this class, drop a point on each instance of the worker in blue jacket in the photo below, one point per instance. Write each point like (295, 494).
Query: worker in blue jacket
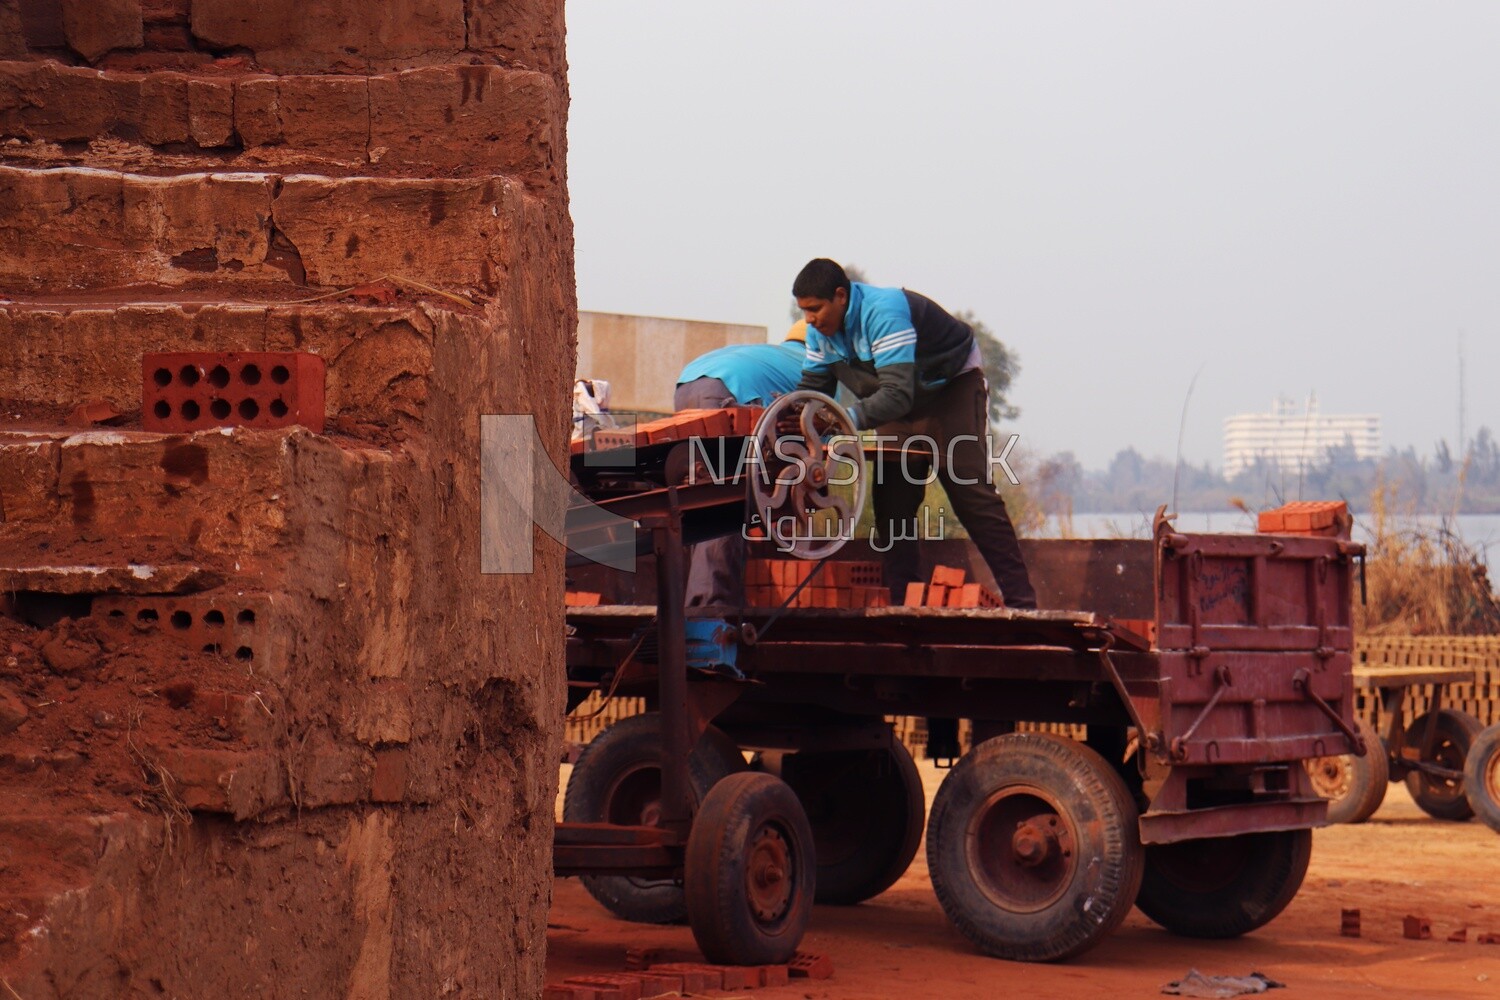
(914, 370)
(737, 375)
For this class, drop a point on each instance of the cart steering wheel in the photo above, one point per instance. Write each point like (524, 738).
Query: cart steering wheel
(809, 488)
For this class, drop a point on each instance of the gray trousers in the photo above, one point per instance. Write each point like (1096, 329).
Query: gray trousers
(716, 569)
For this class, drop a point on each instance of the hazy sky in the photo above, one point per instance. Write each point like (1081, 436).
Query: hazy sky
(1295, 197)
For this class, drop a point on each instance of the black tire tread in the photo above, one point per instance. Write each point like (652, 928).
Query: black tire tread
(1482, 799)
(715, 757)
(1077, 770)
(1379, 782)
(871, 873)
(1280, 865)
(714, 874)
(1371, 777)
(1463, 729)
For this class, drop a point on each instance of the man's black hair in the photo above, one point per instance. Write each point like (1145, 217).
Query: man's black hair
(820, 279)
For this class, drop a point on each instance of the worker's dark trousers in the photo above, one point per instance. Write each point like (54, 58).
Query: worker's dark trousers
(957, 420)
(716, 568)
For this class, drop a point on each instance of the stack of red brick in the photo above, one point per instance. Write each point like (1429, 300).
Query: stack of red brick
(581, 599)
(947, 589)
(769, 583)
(1324, 518)
(733, 421)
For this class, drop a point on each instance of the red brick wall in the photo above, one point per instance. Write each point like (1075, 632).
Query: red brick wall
(265, 730)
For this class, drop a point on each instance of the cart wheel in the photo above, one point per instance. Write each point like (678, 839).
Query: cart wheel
(1222, 887)
(1033, 847)
(866, 808)
(1443, 798)
(618, 780)
(750, 871)
(1354, 786)
(1482, 777)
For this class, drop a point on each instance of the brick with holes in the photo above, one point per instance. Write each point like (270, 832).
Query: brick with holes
(232, 625)
(184, 391)
(805, 966)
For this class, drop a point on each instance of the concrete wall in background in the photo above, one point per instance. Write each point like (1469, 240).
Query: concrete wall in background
(641, 356)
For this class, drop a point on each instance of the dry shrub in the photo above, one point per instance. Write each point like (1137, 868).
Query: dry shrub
(1422, 580)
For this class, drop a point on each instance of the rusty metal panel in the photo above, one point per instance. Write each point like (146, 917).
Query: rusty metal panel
(1253, 706)
(1228, 821)
(592, 848)
(651, 860)
(1254, 591)
(1255, 647)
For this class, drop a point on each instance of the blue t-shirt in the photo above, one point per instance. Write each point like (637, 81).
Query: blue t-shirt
(878, 330)
(894, 346)
(753, 373)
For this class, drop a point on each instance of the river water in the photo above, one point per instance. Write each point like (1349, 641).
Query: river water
(1480, 531)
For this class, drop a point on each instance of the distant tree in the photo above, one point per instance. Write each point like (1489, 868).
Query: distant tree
(1484, 455)
(1444, 458)
(1125, 469)
(1001, 366)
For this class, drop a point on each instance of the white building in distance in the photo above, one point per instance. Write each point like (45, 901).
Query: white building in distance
(1296, 439)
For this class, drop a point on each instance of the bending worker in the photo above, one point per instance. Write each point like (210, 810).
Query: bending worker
(737, 375)
(916, 371)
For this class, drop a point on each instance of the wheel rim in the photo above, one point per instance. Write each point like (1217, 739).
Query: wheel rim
(1492, 777)
(635, 798)
(802, 479)
(1021, 849)
(1332, 777)
(1447, 754)
(769, 876)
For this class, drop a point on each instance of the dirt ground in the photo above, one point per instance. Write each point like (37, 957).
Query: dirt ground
(900, 944)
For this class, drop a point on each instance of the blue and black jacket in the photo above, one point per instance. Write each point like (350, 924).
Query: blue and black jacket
(895, 348)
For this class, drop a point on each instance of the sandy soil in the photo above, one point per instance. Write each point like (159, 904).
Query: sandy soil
(900, 944)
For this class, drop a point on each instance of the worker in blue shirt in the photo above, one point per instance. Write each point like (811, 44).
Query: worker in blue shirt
(915, 370)
(737, 375)
(742, 374)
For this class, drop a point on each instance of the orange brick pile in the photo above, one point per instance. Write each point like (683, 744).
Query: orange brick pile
(581, 599)
(769, 583)
(1326, 518)
(948, 589)
(733, 421)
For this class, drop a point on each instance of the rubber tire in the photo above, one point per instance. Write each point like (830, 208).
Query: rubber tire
(1444, 801)
(867, 809)
(1101, 812)
(715, 875)
(1271, 868)
(1482, 777)
(634, 744)
(1368, 777)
